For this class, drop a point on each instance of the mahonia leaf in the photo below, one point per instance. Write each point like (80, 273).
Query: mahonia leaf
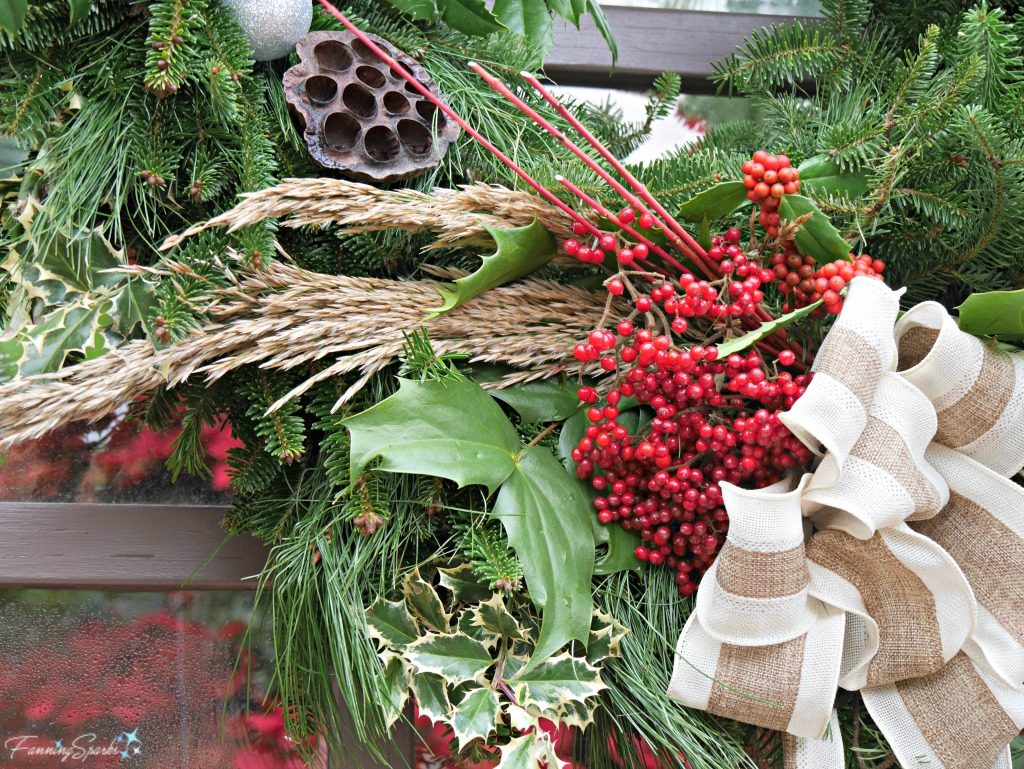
(432, 698)
(476, 716)
(470, 16)
(424, 602)
(715, 202)
(816, 237)
(994, 313)
(391, 624)
(521, 250)
(529, 18)
(455, 657)
(556, 680)
(606, 634)
(495, 618)
(766, 329)
(464, 584)
(450, 430)
(396, 683)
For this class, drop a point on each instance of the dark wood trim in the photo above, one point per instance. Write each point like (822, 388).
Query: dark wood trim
(651, 41)
(123, 547)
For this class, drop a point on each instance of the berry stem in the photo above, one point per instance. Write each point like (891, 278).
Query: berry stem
(450, 113)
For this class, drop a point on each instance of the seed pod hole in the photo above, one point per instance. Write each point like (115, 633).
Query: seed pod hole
(381, 144)
(333, 55)
(362, 50)
(341, 131)
(412, 89)
(430, 113)
(395, 103)
(371, 76)
(359, 100)
(321, 89)
(414, 137)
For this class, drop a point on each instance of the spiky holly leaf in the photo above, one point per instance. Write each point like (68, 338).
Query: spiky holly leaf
(44, 347)
(391, 624)
(545, 753)
(79, 10)
(578, 714)
(494, 617)
(606, 634)
(450, 430)
(520, 753)
(715, 202)
(456, 657)
(431, 694)
(470, 16)
(396, 683)
(424, 602)
(544, 401)
(476, 716)
(529, 18)
(521, 250)
(816, 237)
(749, 339)
(464, 584)
(12, 15)
(420, 10)
(465, 625)
(823, 174)
(994, 313)
(556, 680)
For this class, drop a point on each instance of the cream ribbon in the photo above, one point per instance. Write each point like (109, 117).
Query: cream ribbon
(896, 568)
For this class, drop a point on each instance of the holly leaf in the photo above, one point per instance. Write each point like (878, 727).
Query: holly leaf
(79, 10)
(547, 518)
(823, 174)
(606, 635)
(544, 401)
(424, 603)
(432, 696)
(521, 250)
(994, 313)
(391, 624)
(529, 18)
(450, 430)
(476, 716)
(396, 683)
(132, 304)
(464, 584)
(715, 202)
(455, 657)
(12, 15)
(594, 9)
(520, 753)
(546, 685)
(43, 347)
(470, 16)
(570, 10)
(494, 617)
(816, 237)
(419, 10)
(749, 339)
(618, 555)
(704, 233)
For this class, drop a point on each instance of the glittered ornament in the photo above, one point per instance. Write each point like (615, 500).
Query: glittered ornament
(273, 28)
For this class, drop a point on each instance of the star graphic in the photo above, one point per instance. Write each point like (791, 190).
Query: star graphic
(58, 744)
(132, 736)
(136, 751)
(124, 754)
(118, 738)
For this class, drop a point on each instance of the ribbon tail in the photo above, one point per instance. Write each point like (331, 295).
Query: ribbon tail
(823, 753)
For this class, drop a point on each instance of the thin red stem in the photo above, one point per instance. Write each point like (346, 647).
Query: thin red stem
(449, 112)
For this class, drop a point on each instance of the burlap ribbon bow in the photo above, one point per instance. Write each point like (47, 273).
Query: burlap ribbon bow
(896, 568)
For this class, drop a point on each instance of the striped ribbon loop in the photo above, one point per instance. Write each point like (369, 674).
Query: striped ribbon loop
(895, 569)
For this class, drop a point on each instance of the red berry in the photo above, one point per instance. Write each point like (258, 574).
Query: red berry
(787, 357)
(646, 221)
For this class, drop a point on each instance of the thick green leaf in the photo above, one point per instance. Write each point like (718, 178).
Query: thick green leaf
(420, 10)
(545, 401)
(740, 343)
(455, 657)
(618, 555)
(12, 15)
(529, 18)
(424, 603)
(704, 233)
(594, 9)
(464, 583)
(451, 430)
(994, 313)
(816, 237)
(79, 10)
(822, 174)
(520, 753)
(391, 623)
(470, 16)
(547, 519)
(521, 250)
(570, 10)
(432, 696)
(548, 684)
(715, 202)
(494, 617)
(476, 716)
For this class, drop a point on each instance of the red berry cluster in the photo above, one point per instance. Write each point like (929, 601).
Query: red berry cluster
(803, 284)
(713, 421)
(767, 178)
(609, 244)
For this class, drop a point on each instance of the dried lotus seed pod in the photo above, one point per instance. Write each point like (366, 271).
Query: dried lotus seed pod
(361, 117)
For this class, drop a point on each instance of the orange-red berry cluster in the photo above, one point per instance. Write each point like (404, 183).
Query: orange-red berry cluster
(803, 284)
(767, 178)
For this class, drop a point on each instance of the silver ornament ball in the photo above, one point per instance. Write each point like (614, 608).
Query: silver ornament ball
(272, 26)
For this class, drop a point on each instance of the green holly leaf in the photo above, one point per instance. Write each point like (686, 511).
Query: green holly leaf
(476, 716)
(391, 624)
(424, 603)
(419, 10)
(715, 202)
(994, 313)
(823, 174)
(749, 339)
(521, 250)
(547, 518)
(455, 657)
(432, 696)
(396, 684)
(464, 584)
(704, 233)
(816, 237)
(79, 10)
(132, 304)
(570, 10)
(520, 753)
(12, 15)
(450, 430)
(529, 18)
(470, 16)
(544, 401)
(594, 9)
(494, 617)
(548, 684)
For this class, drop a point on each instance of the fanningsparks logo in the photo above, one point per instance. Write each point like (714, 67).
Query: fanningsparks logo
(125, 745)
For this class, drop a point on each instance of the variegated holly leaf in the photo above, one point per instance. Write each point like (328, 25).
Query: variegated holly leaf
(578, 714)
(556, 680)
(476, 715)
(520, 753)
(431, 695)
(464, 583)
(45, 346)
(63, 266)
(424, 602)
(455, 657)
(391, 624)
(494, 617)
(606, 634)
(545, 753)
(396, 681)
(465, 625)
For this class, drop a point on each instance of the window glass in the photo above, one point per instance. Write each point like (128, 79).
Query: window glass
(98, 680)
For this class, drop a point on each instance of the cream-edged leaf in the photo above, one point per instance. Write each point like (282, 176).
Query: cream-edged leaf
(424, 602)
(431, 695)
(455, 657)
(476, 716)
(391, 624)
(494, 617)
